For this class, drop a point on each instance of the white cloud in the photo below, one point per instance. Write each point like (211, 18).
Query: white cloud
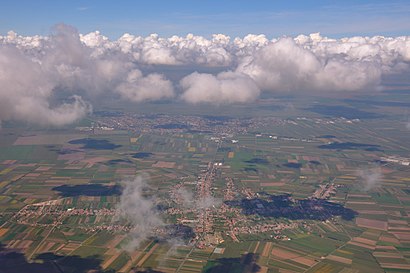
(25, 90)
(90, 65)
(371, 178)
(286, 66)
(139, 88)
(226, 87)
(139, 210)
(35, 69)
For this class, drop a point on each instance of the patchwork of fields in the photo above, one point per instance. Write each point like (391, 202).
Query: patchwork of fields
(305, 195)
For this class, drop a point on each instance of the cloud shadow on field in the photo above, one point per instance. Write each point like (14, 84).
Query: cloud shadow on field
(95, 144)
(284, 206)
(257, 160)
(114, 162)
(142, 155)
(292, 165)
(12, 261)
(351, 146)
(244, 264)
(149, 270)
(88, 190)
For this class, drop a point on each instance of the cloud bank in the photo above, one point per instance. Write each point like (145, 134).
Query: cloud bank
(35, 70)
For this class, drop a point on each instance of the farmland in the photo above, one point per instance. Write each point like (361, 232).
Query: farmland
(298, 190)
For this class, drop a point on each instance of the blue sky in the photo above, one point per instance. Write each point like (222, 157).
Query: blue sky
(235, 18)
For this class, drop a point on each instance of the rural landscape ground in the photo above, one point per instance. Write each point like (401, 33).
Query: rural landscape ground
(282, 185)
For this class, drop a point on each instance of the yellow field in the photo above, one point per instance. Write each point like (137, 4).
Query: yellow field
(3, 231)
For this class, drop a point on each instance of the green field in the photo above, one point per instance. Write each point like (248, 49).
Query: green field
(60, 188)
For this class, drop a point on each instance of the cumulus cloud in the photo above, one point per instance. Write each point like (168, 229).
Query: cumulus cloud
(39, 111)
(371, 178)
(138, 88)
(89, 65)
(282, 66)
(25, 89)
(287, 66)
(190, 201)
(187, 197)
(208, 202)
(139, 210)
(36, 70)
(226, 87)
(302, 64)
(99, 72)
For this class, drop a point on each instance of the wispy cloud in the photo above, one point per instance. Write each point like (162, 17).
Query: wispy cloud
(371, 178)
(82, 8)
